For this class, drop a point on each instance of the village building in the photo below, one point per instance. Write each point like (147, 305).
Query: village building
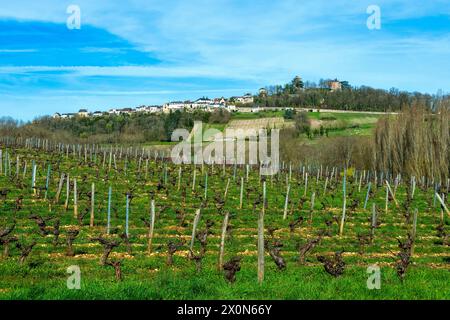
(263, 92)
(173, 106)
(245, 99)
(335, 85)
(67, 115)
(83, 113)
(203, 103)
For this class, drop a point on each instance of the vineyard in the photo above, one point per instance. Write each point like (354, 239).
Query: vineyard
(139, 227)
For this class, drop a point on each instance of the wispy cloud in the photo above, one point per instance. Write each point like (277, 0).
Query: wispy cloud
(17, 50)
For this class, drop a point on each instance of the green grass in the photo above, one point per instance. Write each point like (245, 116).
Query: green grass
(294, 284)
(342, 115)
(256, 115)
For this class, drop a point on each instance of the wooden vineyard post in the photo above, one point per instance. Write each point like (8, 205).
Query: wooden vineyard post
(360, 183)
(442, 203)
(152, 226)
(108, 222)
(91, 223)
(47, 181)
(206, 185)
(374, 220)
(306, 184)
(194, 228)
(341, 228)
(286, 202)
(193, 178)
(179, 178)
(241, 196)
(18, 167)
(397, 181)
(325, 187)
(66, 204)
(414, 231)
(146, 168)
(24, 170)
(313, 196)
(386, 200)
(58, 192)
(261, 238)
(367, 195)
(9, 165)
(222, 240)
(75, 199)
(226, 191)
(392, 193)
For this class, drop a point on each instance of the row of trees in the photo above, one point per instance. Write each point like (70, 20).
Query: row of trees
(415, 143)
(310, 95)
(135, 128)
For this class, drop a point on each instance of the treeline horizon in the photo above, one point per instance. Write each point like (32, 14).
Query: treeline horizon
(299, 94)
(125, 129)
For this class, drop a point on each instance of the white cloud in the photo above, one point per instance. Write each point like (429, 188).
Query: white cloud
(17, 50)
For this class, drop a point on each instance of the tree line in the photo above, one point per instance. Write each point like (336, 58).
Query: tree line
(124, 128)
(298, 94)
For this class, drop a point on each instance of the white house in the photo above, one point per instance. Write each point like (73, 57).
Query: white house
(202, 103)
(56, 115)
(97, 114)
(121, 111)
(172, 106)
(83, 113)
(231, 107)
(142, 109)
(154, 109)
(148, 109)
(114, 111)
(67, 115)
(248, 98)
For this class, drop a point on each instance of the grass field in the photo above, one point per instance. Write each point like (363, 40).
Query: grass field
(256, 115)
(344, 124)
(43, 275)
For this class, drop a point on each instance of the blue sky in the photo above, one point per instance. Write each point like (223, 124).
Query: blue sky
(129, 53)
